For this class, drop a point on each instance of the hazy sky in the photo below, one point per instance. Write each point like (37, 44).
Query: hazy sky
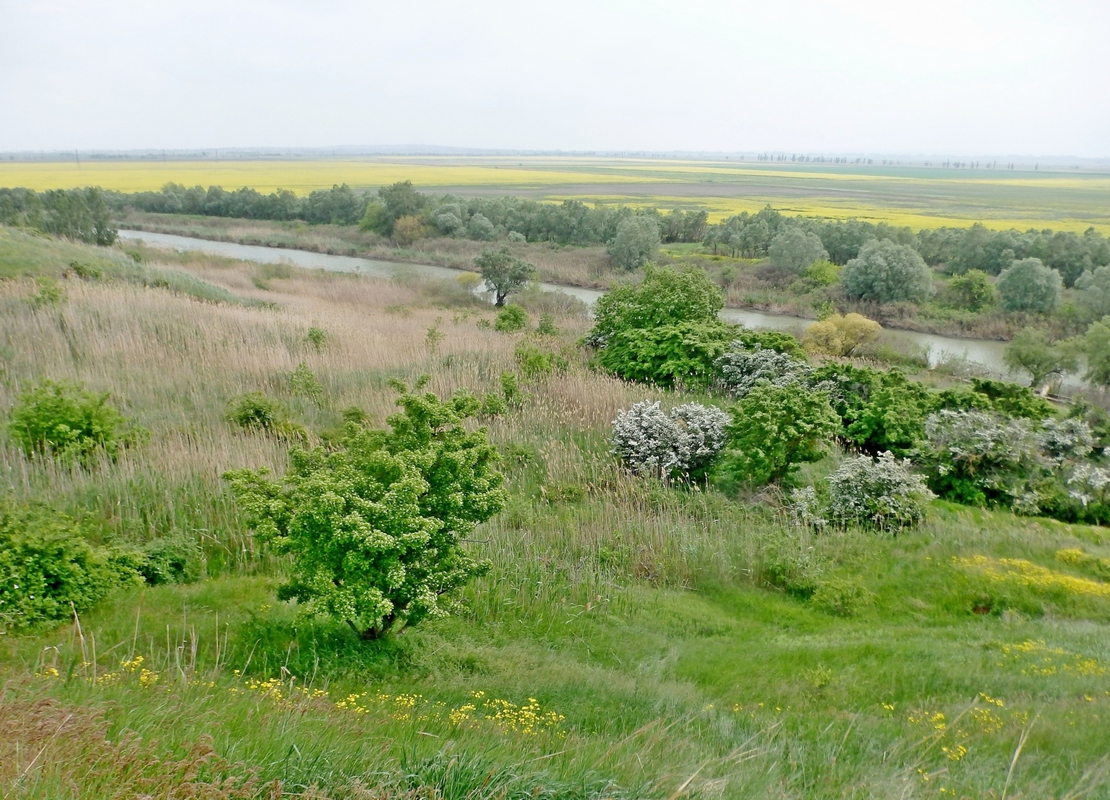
(990, 77)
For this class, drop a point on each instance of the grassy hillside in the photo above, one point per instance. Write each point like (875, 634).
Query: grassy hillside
(631, 639)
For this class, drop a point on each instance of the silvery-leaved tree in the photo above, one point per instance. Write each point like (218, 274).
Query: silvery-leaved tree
(374, 528)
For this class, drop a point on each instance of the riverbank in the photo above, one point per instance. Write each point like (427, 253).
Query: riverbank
(745, 282)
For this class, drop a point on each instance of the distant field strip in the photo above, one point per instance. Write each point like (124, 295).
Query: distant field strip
(899, 195)
(301, 177)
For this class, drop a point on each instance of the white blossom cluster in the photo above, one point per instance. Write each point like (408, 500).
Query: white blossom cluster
(1088, 483)
(741, 368)
(678, 444)
(882, 493)
(979, 441)
(1066, 440)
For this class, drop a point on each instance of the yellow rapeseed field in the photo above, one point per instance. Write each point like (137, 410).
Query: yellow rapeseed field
(912, 196)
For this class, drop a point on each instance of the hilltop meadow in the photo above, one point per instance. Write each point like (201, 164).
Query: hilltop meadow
(631, 636)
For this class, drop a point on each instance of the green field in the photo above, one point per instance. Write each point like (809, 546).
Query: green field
(632, 640)
(919, 197)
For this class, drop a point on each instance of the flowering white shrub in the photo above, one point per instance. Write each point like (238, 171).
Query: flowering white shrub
(881, 493)
(806, 509)
(742, 368)
(1066, 440)
(681, 444)
(1088, 483)
(980, 458)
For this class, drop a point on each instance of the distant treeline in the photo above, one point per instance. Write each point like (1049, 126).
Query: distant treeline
(570, 222)
(81, 214)
(962, 249)
(405, 214)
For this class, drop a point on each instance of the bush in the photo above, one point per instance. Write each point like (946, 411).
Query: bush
(840, 336)
(374, 529)
(511, 318)
(48, 569)
(1064, 440)
(893, 416)
(880, 493)
(681, 444)
(255, 411)
(546, 326)
(1028, 285)
(979, 458)
(665, 297)
(778, 341)
(842, 597)
(303, 382)
(885, 272)
(66, 421)
(822, 272)
(684, 354)
(774, 429)
(50, 293)
(317, 337)
(171, 559)
(971, 291)
(535, 363)
(741, 369)
(1012, 400)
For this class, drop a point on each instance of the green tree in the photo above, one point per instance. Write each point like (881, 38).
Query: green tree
(1096, 345)
(794, 249)
(636, 242)
(665, 296)
(1094, 291)
(1031, 351)
(374, 529)
(1028, 285)
(774, 429)
(971, 291)
(503, 272)
(886, 272)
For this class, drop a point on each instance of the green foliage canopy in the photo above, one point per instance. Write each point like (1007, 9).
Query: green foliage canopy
(503, 272)
(374, 528)
(885, 272)
(1028, 285)
(774, 429)
(70, 423)
(636, 242)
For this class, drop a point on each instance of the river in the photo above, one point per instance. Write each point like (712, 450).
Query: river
(986, 355)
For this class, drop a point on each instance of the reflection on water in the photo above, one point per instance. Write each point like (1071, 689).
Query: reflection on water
(982, 353)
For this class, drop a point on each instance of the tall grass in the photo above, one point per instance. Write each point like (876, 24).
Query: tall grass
(669, 626)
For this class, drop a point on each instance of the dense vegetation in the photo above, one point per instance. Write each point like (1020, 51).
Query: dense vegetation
(686, 559)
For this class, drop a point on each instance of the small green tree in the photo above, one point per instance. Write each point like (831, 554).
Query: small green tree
(503, 272)
(1028, 285)
(635, 243)
(510, 319)
(1031, 351)
(774, 429)
(375, 528)
(885, 272)
(971, 291)
(795, 249)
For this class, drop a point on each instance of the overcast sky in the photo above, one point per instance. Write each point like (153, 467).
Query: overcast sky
(960, 77)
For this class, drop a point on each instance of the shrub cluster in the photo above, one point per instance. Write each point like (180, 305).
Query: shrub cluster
(681, 444)
(882, 493)
(67, 422)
